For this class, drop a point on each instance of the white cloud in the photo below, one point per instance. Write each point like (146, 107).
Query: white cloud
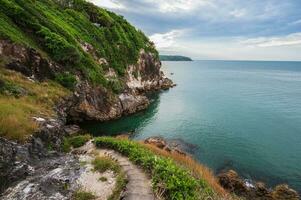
(288, 40)
(238, 13)
(179, 5)
(113, 4)
(295, 22)
(166, 40)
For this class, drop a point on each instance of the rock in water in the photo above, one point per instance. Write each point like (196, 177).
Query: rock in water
(284, 192)
(231, 181)
(156, 141)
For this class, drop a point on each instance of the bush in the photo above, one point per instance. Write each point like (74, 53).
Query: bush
(168, 179)
(58, 47)
(102, 164)
(67, 80)
(83, 195)
(116, 86)
(75, 142)
(10, 89)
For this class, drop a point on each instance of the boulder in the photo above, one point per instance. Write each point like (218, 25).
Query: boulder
(156, 141)
(231, 181)
(283, 192)
(131, 104)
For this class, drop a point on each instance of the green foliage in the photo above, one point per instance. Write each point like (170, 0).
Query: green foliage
(103, 179)
(67, 80)
(78, 141)
(66, 146)
(10, 89)
(168, 178)
(60, 50)
(83, 195)
(102, 164)
(61, 29)
(116, 85)
(121, 182)
(75, 142)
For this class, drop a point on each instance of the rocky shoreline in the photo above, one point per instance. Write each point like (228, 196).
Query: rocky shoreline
(230, 180)
(88, 102)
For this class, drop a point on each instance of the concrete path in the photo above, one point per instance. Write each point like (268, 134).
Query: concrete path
(139, 184)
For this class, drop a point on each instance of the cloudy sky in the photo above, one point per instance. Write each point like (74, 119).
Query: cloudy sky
(217, 29)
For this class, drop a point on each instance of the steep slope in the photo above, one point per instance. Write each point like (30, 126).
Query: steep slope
(89, 50)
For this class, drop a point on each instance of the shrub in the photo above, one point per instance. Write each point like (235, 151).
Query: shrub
(11, 89)
(168, 179)
(119, 187)
(102, 164)
(66, 146)
(116, 86)
(75, 142)
(58, 47)
(83, 195)
(103, 179)
(67, 80)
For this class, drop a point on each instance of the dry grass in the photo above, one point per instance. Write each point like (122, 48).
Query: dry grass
(198, 170)
(16, 114)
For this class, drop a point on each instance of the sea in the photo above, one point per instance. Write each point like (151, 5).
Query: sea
(241, 115)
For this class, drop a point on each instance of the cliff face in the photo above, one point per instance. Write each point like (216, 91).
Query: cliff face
(105, 61)
(98, 103)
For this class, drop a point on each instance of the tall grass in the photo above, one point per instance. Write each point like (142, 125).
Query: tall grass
(198, 170)
(16, 114)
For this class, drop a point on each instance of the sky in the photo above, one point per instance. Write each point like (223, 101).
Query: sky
(217, 29)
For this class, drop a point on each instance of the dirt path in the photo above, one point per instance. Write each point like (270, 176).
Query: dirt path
(139, 184)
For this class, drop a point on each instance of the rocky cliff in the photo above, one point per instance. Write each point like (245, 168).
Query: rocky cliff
(105, 61)
(106, 64)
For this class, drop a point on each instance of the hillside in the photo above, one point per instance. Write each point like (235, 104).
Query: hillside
(87, 49)
(174, 58)
(77, 35)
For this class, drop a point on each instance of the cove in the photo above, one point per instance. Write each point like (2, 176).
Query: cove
(242, 115)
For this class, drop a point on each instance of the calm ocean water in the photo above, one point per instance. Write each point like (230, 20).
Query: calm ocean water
(241, 115)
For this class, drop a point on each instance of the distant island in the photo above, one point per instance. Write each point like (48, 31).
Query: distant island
(174, 58)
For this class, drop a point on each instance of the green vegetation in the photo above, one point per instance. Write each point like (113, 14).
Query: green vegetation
(119, 187)
(103, 179)
(21, 100)
(168, 179)
(10, 89)
(102, 164)
(67, 80)
(174, 58)
(75, 34)
(75, 142)
(83, 195)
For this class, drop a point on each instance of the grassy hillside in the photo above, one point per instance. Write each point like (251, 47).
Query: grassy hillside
(22, 99)
(62, 29)
(83, 39)
(174, 176)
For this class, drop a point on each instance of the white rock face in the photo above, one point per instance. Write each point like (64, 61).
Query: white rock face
(39, 119)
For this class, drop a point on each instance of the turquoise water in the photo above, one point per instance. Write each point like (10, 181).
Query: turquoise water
(241, 115)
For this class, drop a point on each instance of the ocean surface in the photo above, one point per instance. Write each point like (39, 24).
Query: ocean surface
(240, 115)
